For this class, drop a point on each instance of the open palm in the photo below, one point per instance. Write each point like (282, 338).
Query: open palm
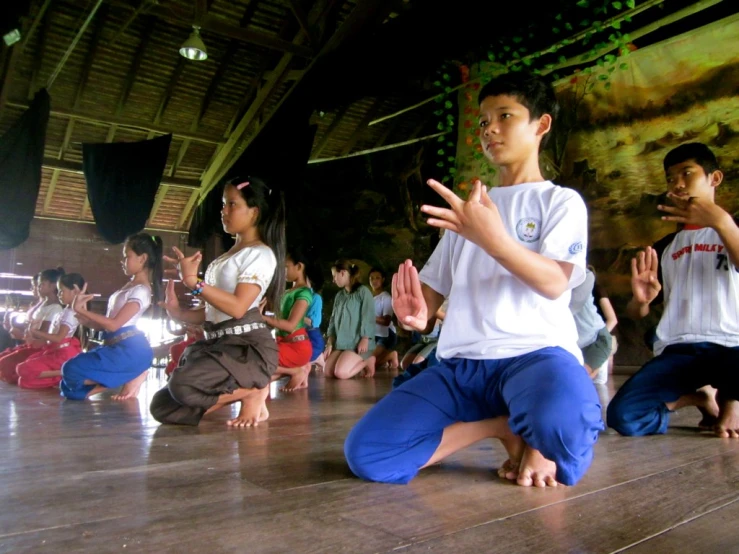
(408, 302)
(644, 282)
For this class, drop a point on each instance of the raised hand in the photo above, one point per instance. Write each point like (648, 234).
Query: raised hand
(81, 298)
(477, 219)
(408, 302)
(187, 266)
(694, 211)
(171, 304)
(644, 282)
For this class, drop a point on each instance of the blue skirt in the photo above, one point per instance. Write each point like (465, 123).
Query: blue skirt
(317, 342)
(109, 366)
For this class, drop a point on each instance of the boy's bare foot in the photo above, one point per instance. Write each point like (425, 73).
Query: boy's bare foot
(132, 388)
(369, 368)
(298, 381)
(97, 390)
(253, 410)
(536, 470)
(708, 407)
(727, 426)
(515, 447)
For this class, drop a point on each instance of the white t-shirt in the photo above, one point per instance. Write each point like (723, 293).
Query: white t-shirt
(701, 292)
(254, 265)
(141, 294)
(491, 313)
(383, 307)
(65, 317)
(46, 312)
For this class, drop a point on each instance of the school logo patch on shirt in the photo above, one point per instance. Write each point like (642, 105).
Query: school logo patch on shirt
(528, 229)
(575, 248)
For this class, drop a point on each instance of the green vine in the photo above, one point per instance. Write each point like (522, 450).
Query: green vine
(446, 112)
(600, 23)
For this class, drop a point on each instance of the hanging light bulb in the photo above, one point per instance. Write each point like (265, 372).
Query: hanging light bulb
(194, 47)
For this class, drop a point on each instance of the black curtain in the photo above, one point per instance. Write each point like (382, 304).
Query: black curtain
(21, 157)
(122, 182)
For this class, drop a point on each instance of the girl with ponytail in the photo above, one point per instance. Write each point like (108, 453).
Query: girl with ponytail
(238, 356)
(125, 357)
(351, 331)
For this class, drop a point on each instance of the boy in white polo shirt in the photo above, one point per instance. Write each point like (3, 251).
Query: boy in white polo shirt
(509, 365)
(693, 272)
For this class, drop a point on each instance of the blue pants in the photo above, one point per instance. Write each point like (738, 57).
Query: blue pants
(109, 366)
(547, 395)
(639, 406)
(316, 342)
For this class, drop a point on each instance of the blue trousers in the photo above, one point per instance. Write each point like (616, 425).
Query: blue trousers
(109, 366)
(639, 405)
(547, 395)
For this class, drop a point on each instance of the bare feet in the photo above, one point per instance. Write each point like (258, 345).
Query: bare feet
(132, 388)
(253, 410)
(298, 381)
(369, 368)
(515, 447)
(727, 426)
(97, 390)
(708, 407)
(535, 470)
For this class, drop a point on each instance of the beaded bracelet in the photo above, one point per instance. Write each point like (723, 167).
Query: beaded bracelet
(198, 287)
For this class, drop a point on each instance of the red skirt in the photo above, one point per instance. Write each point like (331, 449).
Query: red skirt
(294, 351)
(49, 358)
(9, 360)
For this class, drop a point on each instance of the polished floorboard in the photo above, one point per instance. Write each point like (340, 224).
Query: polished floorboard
(103, 476)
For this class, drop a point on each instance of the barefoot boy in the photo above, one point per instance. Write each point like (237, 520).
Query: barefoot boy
(694, 273)
(510, 367)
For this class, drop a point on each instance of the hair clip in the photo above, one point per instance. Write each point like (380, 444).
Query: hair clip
(154, 239)
(242, 185)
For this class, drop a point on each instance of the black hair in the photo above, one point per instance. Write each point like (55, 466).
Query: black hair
(696, 151)
(312, 270)
(144, 243)
(352, 268)
(270, 224)
(530, 90)
(378, 270)
(69, 280)
(51, 275)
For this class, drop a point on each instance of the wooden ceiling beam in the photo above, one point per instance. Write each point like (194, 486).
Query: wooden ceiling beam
(50, 191)
(330, 131)
(167, 95)
(73, 167)
(106, 120)
(214, 24)
(302, 18)
(158, 199)
(39, 56)
(361, 128)
(133, 71)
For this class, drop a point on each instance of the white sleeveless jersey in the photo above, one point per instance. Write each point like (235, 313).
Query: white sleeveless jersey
(701, 290)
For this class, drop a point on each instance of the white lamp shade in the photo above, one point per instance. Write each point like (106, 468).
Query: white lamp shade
(194, 47)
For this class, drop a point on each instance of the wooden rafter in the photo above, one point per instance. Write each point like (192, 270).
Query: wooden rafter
(390, 129)
(330, 131)
(161, 194)
(361, 128)
(50, 190)
(39, 56)
(167, 95)
(302, 18)
(214, 24)
(73, 167)
(84, 79)
(103, 119)
(362, 12)
(135, 66)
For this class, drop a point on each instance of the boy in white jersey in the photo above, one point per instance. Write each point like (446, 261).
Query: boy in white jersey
(509, 364)
(694, 273)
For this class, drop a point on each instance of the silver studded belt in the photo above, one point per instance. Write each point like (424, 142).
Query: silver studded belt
(235, 330)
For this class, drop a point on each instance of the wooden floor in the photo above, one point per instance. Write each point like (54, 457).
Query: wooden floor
(101, 476)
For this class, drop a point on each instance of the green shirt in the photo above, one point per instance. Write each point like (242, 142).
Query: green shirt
(288, 301)
(352, 317)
